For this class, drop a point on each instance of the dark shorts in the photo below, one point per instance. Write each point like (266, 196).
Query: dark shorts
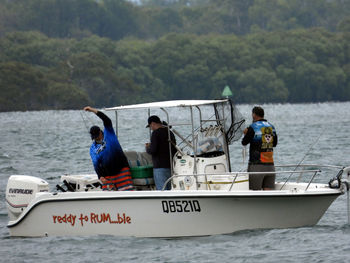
(260, 181)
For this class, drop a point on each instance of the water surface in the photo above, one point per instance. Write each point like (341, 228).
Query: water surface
(48, 144)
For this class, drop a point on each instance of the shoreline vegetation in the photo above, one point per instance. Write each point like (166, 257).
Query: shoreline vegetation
(64, 54)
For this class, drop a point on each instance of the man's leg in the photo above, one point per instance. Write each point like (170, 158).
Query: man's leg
(160, 176)
(255, 180)
(269, 179)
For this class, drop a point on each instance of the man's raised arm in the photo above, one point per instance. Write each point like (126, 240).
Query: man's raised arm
(106, 121)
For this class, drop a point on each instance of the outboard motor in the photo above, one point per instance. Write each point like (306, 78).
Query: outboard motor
(20, 191)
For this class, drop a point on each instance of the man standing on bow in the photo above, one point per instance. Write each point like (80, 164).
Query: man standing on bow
(262, 138)
(159, 149)
(110, 163)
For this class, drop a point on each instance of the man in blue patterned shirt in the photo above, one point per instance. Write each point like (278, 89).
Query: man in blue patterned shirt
(262, 137)
(108, 158)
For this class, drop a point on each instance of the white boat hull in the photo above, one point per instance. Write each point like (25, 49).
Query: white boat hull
(170, 213)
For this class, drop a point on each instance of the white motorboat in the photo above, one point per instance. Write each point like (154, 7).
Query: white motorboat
(206, 198)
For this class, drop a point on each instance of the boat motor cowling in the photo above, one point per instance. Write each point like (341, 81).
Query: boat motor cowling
(20, 191)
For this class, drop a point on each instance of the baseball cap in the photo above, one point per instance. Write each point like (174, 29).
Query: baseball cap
(94, 132)
(153, 118)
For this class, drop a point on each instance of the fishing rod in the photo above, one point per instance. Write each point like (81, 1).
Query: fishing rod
(306, 154)
(84, 121)
(244, 154)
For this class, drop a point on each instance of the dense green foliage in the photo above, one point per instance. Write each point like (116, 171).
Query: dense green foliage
(294, 66)
(60, 54)
(117, 19)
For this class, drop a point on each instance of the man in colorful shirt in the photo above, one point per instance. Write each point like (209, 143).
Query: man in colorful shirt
(108, 158)
(262, 138)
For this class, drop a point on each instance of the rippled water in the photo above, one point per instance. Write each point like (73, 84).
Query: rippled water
(48, 144)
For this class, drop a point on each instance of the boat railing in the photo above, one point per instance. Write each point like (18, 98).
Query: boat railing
(234, 175)
(301, 172)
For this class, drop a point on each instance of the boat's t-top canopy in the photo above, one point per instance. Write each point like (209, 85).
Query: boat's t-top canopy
(210, 136)
(167, 104)
(226, 116)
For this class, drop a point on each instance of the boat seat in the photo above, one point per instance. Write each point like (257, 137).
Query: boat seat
(133, 158)
(140, 162)
(138, 158)
(145, 158)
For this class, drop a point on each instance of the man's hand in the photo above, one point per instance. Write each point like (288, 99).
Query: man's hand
(103, 180)
(245, 131)
(147, 145)
(88, 108)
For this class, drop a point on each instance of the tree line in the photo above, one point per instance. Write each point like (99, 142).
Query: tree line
(301, 65)
(117, 19)
(63, 54)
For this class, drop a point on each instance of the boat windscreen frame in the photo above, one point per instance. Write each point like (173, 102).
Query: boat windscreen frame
(184, 104)
(169, 140)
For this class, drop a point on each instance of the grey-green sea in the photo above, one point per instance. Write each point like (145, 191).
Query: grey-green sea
(48, 144)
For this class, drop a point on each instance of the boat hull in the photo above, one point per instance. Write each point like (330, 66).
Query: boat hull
(169, 213)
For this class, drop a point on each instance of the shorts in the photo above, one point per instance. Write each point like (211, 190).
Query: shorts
(261, 181)
(119, 182)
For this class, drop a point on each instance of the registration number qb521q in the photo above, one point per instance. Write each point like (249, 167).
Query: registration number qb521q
(181, 206)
